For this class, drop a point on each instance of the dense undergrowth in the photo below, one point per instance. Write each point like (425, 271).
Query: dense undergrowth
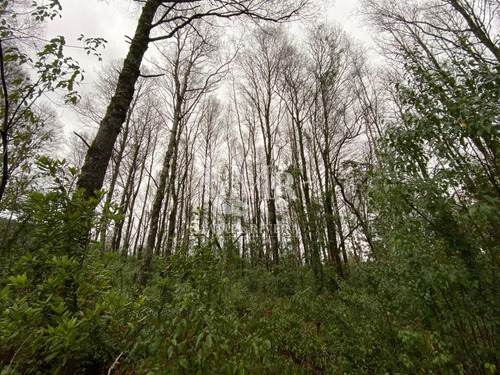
(67, 309)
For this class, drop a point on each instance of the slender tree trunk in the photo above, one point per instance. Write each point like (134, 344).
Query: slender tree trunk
(186, 198)
(125, 200)
(157, 205)
(131, 215)
(338, 223)
(272, 220)
(162, 227)
(169, 244)
(114, 177)
(201, 225)
(175, 203)
(130, 226)
(242, 224)
(140, 238)
(257, 241)
(333, 250)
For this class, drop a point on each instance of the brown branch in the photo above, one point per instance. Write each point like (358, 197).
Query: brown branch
(83, 139)
(477, 29)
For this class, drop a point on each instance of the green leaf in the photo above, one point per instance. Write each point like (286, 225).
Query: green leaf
(208, 341)
(18, 280)
(184, 362)
(198, 339)
(491, 367)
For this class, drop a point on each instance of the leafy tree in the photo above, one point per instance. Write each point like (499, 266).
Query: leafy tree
(24, 79)
(436, 189)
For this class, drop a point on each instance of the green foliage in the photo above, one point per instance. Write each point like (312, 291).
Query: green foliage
(431, 294)
(56, 288)
(25, 76)
(415, 310)
(191, 327)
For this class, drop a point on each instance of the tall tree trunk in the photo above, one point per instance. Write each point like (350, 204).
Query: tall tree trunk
(98, 155)
(114, 177)
(201, 225)
(140, 238)
(125, 200)
(162, 227)
(175, 202)
(157, 205)
(5, 126)
(257, 242)
(338, 223)
(272, 220)
(130, 226)
(333, 249)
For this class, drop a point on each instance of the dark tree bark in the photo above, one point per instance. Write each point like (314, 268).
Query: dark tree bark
(477, 27)
(5, 127)
(98, 156)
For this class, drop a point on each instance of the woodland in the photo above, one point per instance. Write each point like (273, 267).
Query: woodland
(259, 201)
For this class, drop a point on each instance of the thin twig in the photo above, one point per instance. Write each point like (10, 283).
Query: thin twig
(114, 363)
(17, 352)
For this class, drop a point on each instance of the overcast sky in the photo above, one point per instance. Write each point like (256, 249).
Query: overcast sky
(113, 19)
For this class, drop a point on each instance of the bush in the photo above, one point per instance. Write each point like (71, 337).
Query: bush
(57, 289)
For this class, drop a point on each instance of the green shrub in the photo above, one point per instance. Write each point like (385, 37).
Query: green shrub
(59, 313)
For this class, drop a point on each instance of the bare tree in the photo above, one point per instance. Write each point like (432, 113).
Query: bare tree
(262, 66)
(297, 90)
(160, 20)
(189, 76)
(335, 123)
(210, 141)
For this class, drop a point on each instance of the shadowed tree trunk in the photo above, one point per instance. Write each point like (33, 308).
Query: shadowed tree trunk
(98, 155)
(158, 202)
